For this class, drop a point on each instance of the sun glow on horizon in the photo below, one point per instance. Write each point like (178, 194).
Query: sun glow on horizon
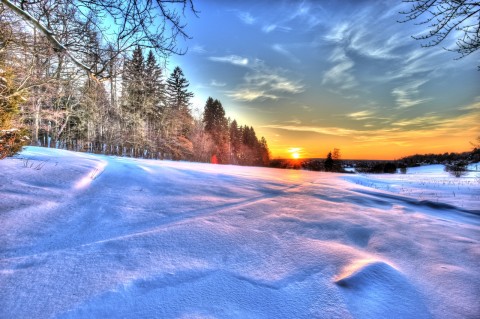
(295, 152)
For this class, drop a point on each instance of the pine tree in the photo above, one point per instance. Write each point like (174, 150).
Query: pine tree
(328, 164)
(133, 92)
(235, 142)
(264, 152)
(154, 102)
(178, 119)
(216, 124)
(154, 86)
(177, 90)
(178, 100)
(133, 96)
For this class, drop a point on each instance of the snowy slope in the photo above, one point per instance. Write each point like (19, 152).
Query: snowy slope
(88, 236)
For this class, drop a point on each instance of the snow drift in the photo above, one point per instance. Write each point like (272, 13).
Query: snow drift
(88, 236)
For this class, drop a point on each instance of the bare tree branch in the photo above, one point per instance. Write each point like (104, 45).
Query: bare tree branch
(442, 18)
(121, 24)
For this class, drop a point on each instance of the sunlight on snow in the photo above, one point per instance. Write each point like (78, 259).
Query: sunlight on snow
(91, 175)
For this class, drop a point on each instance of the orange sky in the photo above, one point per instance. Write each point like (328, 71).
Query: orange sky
(453, 135)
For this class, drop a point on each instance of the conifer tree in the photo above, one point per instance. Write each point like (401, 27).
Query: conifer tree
(133, 82)
(264, 152)
(178, 119)
(177, 90)
(154, 101)
(235, 141)
(328, 164)
(133, 96)
(216, 124)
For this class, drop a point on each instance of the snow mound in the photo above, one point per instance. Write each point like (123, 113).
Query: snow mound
(375, 289)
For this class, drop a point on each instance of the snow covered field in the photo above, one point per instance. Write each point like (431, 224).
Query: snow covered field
(89, 236)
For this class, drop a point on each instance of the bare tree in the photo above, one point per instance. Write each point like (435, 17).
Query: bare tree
(122, 24)
(445, 17)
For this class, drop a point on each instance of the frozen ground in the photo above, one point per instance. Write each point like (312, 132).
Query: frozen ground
(87, 236)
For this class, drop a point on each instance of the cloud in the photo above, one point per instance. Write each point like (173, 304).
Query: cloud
(308, 15)
(232, 59)
(269, 28)
(294, 121)
(361, 115)
(340, 74)
(338, 33)
(248, 95)
(306, 20)
(422, 121)
(272, 27)
(217, 84)
(199, 49)
(337, 131)
(281, 49)
(306, 108)
(263, 83)
(273, 82)
(405, 95)
(246, 18)
(475, 106)
(379, 41)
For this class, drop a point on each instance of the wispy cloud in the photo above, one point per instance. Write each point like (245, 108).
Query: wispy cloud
(199, 49)
(337, 131)
(294, 121)
(232, 59)
(338, 33)
(217, 84)
(248, 95)
(269, 28)
(263, 83)
(307, 13)
(340, 74)
(294, 149)
(246, 17)
(273, 82)
(406, 95)
(272, 27)
(361, 115)
(473, 106)
(306, 108)
(421, 121)
(282, 50)
(304, 15)
(357, 37)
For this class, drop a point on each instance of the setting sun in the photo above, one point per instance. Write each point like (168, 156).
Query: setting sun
(295, 152)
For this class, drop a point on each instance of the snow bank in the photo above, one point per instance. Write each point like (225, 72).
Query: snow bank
(430, 185)
(87, 236)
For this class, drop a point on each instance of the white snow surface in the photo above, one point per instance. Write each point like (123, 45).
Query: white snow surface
(90, 236)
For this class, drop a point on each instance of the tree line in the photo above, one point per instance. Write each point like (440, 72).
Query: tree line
(125, 105)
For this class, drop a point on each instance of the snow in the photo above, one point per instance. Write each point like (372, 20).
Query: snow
(90, 236)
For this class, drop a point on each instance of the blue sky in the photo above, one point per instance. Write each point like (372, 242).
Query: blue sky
(314, 75)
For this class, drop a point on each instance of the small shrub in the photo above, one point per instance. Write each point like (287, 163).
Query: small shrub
(457, 169)
(11, 142)
(403, 168)
(390, 168)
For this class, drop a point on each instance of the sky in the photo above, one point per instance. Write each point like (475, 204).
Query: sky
(311, 76)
